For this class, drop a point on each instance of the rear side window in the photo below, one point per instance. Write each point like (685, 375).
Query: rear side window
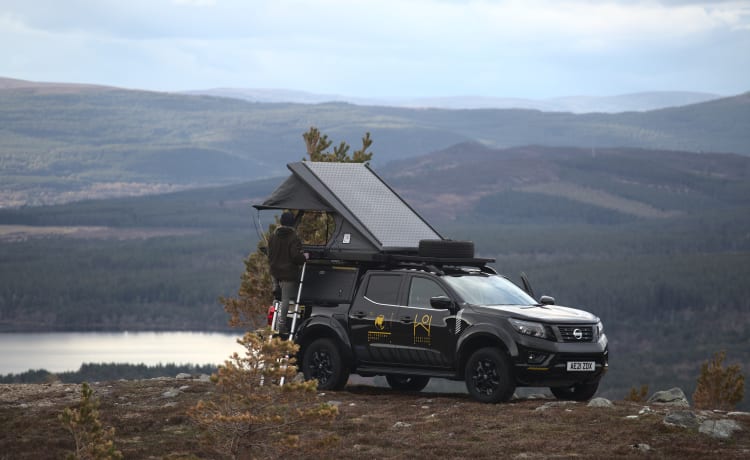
(383, 289)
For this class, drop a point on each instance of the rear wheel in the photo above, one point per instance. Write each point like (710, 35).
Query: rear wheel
(488, 376)
(322, 361)
(407, 382)
(577, 392)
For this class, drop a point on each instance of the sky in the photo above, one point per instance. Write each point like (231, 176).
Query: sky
(383, 48)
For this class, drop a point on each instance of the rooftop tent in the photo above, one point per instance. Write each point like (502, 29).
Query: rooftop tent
(370, 216)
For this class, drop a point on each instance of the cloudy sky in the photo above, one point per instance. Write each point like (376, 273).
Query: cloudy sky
(383, 48)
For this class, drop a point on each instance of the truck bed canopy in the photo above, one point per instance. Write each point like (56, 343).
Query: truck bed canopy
(371, 218)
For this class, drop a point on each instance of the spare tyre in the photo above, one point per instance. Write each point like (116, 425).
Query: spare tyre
(446, 249)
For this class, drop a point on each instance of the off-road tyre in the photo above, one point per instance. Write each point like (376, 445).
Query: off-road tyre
(407, 382)
(577, 392)
(322, 361)
(489, 376)
(446, 249)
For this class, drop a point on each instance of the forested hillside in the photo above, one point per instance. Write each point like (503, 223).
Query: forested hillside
(657, 243)
(65, 143)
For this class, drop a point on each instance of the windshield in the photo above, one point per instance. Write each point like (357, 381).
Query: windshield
(481, 289)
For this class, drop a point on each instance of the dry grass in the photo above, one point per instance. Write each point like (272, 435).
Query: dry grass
(373, 423)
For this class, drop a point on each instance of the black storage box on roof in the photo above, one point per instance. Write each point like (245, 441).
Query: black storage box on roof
(371, 218)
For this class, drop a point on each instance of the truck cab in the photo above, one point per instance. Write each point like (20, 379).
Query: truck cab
(411, 322)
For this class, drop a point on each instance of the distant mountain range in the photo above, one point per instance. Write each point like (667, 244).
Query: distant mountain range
(636, 102)
(63, 142)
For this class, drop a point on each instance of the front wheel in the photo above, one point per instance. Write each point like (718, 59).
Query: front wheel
(488, 376)
(577, 392)
(407, 382)
(322, 361)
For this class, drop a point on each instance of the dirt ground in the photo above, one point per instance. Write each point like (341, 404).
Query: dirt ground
(150, 420)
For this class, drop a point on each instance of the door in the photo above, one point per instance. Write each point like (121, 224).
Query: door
(423, 334)
(372, 316)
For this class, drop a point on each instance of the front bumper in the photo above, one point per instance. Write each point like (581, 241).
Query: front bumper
(541, 363)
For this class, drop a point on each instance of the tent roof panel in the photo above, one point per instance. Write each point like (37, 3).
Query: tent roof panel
(375, 205)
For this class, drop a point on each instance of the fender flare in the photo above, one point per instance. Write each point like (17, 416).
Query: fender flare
(484, 333)
(324, 326)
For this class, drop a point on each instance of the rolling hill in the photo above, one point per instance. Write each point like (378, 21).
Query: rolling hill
(575, 104)
(67, 142)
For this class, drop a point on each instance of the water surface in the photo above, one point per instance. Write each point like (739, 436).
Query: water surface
(66, 351)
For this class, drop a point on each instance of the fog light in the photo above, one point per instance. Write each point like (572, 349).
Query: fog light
(535, 358)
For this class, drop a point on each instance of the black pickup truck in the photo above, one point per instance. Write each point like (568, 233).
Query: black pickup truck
(413, 318)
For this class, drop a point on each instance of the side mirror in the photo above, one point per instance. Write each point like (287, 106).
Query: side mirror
(441, 302)
(546, 300)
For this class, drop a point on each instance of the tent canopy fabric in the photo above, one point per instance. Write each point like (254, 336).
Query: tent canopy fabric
(370, 216)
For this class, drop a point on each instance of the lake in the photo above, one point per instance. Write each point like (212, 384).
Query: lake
(66, 351)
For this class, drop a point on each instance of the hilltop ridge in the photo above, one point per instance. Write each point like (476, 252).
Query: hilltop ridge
(149, 417)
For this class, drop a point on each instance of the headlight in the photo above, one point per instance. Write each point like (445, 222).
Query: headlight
(528, 328)
(599, 329)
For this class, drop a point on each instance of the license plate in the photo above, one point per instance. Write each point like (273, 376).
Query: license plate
(585, 366)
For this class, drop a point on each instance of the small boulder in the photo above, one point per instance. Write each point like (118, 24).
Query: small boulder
(171, 393)
(600, 402)
(552, 404)
(673, 397)
(719, 429)
(183, 376)
(683, 418)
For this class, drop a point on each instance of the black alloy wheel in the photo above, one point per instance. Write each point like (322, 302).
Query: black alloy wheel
(322, 361)
(488, 376)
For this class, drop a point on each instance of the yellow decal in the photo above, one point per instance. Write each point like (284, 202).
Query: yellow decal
(422, 329)
(382, 337)
(379, 322)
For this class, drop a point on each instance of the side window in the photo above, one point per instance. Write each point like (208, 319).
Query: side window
(383, 289)
(421, 290)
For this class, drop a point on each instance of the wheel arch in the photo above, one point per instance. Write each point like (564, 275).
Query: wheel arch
(480, 338)
(317, 328)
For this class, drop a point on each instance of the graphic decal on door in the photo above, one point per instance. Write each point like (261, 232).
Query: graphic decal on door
(422, 329)
(380, 335)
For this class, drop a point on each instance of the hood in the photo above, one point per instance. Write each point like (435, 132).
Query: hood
(545, 313)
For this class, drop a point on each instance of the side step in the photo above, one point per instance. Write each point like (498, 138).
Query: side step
(367, 370)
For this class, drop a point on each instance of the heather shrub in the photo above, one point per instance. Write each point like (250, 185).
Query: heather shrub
(636, 395)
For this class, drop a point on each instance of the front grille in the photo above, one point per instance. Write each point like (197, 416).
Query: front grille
(576, 333)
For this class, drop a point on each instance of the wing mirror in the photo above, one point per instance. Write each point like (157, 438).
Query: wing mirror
(441, 302)
(546, 300)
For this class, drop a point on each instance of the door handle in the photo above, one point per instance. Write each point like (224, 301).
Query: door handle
(360, 314)
(406, 319)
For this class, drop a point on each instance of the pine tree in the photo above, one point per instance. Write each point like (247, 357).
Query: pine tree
(252, 414)
(249, 308)
(93, 441)
(719, 387)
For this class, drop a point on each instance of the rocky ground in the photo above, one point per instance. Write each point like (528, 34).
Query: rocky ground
(150, 420)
